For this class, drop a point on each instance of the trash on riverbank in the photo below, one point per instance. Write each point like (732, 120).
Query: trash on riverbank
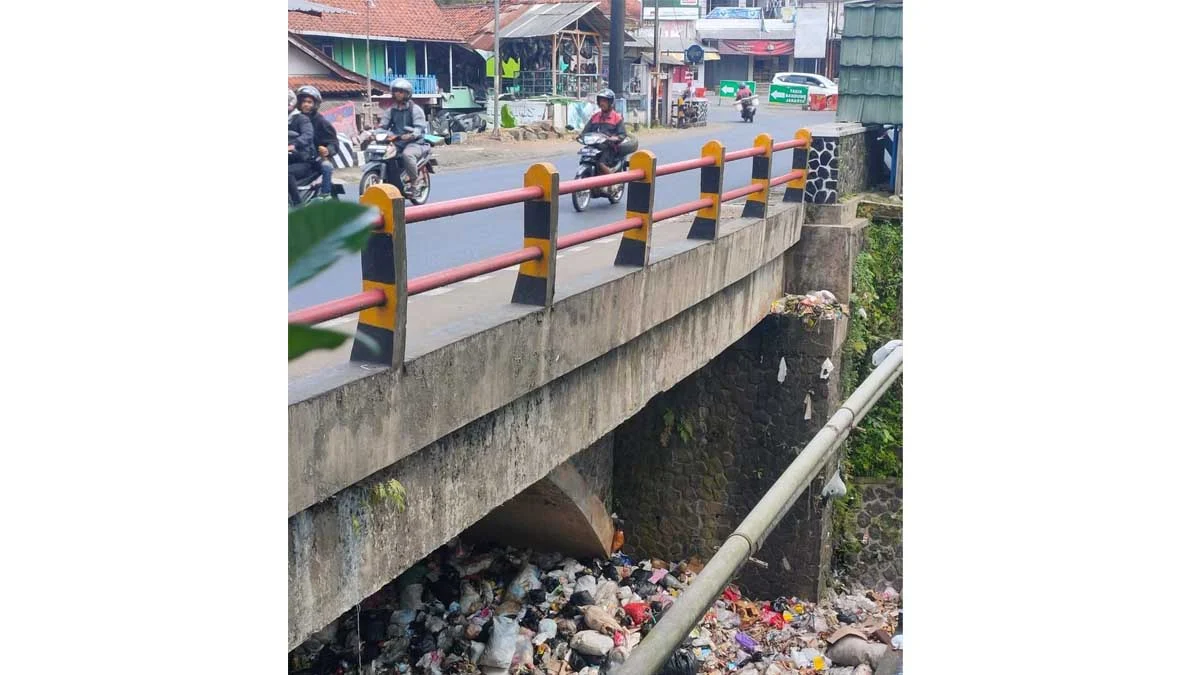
(502, 611)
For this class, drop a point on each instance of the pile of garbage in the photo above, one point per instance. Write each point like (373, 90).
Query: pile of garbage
(815, 305)
(501, 611)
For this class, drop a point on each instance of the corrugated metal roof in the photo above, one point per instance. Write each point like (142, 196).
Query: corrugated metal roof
(866, 51)
(871, 21)
(870, 109)
(871, 78)
(871, 81)
(542, 20)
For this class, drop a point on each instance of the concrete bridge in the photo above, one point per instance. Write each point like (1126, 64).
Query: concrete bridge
(500, 419)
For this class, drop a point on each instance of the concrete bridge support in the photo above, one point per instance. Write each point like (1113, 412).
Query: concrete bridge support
(692, 464)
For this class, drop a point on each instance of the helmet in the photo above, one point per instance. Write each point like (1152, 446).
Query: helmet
(401, 84)
(291, 99)
(608, 94)
(309, 90)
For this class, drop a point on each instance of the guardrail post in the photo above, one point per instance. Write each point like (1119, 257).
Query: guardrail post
(760, 174)
(635, 244)
(712, 181)
(795, 187)
(384, 266)
(535, 279)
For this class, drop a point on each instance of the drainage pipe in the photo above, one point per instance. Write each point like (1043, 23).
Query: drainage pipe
(690, 607)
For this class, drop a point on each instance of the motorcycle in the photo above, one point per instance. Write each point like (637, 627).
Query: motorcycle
(383, 165)
(589, 160)
(748, 106)
(309, 184)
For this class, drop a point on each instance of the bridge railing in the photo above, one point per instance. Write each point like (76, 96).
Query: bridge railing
(382, 304)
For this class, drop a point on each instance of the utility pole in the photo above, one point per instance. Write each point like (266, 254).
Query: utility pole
(654, 112)
(616, 50)
(496, 80)
(370, 4)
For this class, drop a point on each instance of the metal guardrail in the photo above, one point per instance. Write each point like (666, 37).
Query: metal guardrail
(690, 607)
(382, 304)
(422, 84)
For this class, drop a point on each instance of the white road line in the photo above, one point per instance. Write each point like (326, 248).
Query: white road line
(478, 279)
(560, 256)
(608, 240)
(439, 291)
(579, 248)
(511, 268)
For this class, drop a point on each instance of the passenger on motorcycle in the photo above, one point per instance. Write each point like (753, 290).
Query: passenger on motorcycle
(610, 123)
(324, 135)
(300, 148)
(403, 114)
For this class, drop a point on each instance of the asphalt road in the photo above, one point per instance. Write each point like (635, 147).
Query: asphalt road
(447, 242)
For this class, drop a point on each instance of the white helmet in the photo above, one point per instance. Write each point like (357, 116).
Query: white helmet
(401, 84)
(291, 99)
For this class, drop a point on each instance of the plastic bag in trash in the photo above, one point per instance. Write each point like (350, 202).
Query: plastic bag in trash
(547, 628)
(526, 580)
(592, 643)
(502, 644)
(836, 487)
(682, 662)
(897, 642)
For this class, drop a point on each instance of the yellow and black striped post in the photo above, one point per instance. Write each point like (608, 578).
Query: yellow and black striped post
(635, 244)
(384, 267)
(760, 174)
(712, 180)
(795, 187)
(535, 279)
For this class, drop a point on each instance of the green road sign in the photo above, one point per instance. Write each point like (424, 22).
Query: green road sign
(728, 88)
(788, 93)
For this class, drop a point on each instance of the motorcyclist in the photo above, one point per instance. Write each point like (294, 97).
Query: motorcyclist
(405, 113)
(300, 148)
(324, 135)
(610, 123)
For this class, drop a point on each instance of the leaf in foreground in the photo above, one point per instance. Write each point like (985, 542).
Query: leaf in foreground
(318, 234)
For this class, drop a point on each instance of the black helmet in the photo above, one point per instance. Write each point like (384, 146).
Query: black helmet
(608, 94)
(309, 90)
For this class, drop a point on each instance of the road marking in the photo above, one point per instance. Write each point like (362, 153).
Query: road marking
(511, 268)
(560, 256)
(579, 248)
(478, 279)
(439, 291)
(608, 240)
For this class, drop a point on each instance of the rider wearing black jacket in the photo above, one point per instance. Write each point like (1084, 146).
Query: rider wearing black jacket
(300, 148)
(325, 136)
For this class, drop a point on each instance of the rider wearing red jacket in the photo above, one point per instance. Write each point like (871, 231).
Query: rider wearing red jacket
(610, 123)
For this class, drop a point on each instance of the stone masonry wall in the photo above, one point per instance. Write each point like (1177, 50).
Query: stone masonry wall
(878, 532)
(690, 466)
(837, 165)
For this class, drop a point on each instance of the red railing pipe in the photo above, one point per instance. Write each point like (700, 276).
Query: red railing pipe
(593, 182)
(743, 154)
(741, 192)
(337, 308)
(428, 282)
(788, 145)
(594, 233)
(685, 165)
(453, 207)
(791, 175)
(689, 207)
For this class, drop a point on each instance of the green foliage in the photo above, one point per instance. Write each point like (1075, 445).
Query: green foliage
(875, 448)
(390, 492)
(682, 426)
(303, 339)
(319, 234)
(846, 547)
(506, 118)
